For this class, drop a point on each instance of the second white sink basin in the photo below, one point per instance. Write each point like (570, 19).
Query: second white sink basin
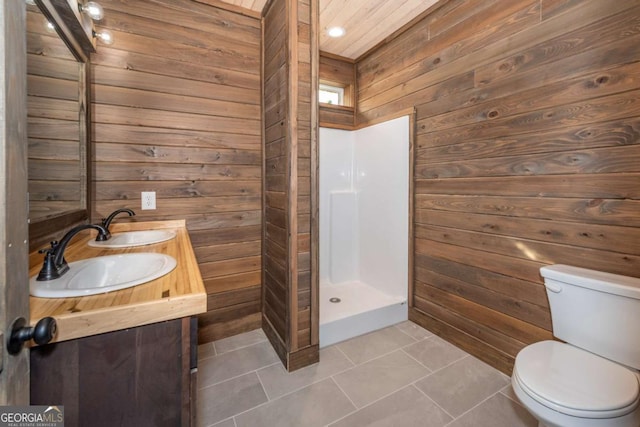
(135, 238)
(104, 274)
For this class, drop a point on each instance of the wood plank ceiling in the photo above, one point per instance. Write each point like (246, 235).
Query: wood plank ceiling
(367, 22)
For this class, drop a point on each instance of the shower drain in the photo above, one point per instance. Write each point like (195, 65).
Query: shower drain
(335, 300)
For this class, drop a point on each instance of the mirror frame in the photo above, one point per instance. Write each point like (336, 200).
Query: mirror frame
(76, 30)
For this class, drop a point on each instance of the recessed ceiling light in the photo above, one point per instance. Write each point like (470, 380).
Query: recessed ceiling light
(336, 32)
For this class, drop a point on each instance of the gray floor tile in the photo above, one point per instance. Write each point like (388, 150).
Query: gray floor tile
(315, 405)
(406, 408)
(231, 364)
(435, 353)
(462, 385)
(238, 375)
(416, 331)
(377, 378)
(238, 341)
(374, 344)
(226, 399)
(508, 391)
(206, 350)
(277, 381)
(498, 411)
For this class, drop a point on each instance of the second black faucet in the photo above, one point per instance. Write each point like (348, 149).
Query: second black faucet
(106, 222)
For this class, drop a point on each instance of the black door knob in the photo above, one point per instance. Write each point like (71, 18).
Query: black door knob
(42, 333)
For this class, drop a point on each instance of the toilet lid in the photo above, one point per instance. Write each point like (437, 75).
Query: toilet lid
(573, 381)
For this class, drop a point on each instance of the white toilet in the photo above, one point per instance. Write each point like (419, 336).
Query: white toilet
(593, 379)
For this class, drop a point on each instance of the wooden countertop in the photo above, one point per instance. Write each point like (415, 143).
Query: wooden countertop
(180, 293)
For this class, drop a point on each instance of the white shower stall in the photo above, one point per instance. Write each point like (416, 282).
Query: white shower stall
(364, 229)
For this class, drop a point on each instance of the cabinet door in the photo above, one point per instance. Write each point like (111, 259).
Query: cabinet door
(136, 377)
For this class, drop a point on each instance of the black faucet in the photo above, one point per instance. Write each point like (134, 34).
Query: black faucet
(106, 222)
(54, 263)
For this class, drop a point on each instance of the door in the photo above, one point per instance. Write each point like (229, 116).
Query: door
(14, 239)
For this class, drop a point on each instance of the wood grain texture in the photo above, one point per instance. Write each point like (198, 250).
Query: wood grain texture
(337, 117)
(139, 376)
(250, 7)
(14, 303)
(277, 240)
(358, 17)
(526, 155)
(290, 146)
(176, 109)
(180, 293)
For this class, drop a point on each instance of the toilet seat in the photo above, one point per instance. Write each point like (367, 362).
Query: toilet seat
(575, 382)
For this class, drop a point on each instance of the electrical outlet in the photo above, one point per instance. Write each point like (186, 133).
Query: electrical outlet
(148, 200)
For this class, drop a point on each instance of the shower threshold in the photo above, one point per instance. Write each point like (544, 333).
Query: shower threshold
(362, 309)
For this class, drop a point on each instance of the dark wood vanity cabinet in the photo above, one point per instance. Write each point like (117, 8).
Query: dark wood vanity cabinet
(142, 376)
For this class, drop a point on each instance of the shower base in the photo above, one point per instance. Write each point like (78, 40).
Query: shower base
(362, 308)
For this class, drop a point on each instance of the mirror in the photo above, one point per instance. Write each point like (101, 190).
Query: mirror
(57, 122)
(53, 75)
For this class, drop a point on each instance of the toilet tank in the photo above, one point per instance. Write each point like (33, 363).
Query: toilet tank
(596, 311)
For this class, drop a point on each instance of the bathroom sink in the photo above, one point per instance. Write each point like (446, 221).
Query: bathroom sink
(135, 238)
(104, 274)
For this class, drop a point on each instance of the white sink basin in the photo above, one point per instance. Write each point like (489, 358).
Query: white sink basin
(135, 238)
(104, 274)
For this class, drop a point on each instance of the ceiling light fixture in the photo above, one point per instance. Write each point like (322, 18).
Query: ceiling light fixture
(336, 32)
(92, 9)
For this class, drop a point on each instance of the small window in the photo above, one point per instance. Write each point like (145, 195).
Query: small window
(331, 94)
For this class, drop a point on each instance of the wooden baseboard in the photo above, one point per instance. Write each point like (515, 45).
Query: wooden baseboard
(291, 361)
(304, 357)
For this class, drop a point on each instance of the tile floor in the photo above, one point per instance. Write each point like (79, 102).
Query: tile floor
(399, 376)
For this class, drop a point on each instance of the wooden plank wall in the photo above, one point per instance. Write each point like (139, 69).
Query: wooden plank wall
(176, 110)
(527, 154)
(290, 305)
(53, 121)
(338, 71)
(277, 240)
